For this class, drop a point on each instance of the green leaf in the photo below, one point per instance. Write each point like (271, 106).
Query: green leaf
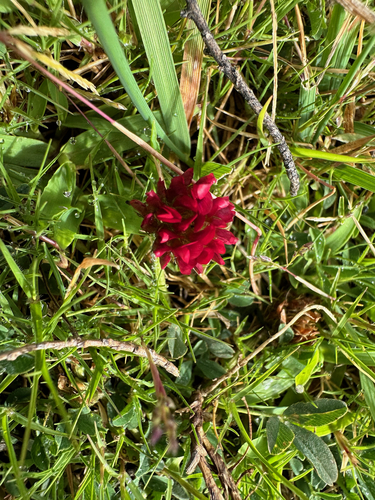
(355, 176)
(279, 436)
(219, 171)
(115, 210)
(155, 39)
(67, 227)
(57, 195)
(177, 347)
(317, 453)
(39, 454)
(319, 243)
(210, 368)
(88, 420)
(320, 412)
(128, 418)
(367, 487)
(22, 364)
(369, 392)
(304, 376)
(241, 300)
(61, 102)
(83, 145)
(343, 233)
(317, 20)
(6, 6)
(23, 151)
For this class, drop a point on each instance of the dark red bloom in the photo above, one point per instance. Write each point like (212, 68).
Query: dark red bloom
(188, 222)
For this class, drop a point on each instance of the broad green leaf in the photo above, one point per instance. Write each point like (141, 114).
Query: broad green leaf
(177, 347)
(78, 148)
(317, 453)
(369, 392)
(343, 233)
(88, 421)
(128, 418)
(306, 104)
(279, 436)
(155, 40)
(39, 453)
(219, 171)
(355, 176)
(116, 212)
(367, 486)
(272, 387)
(217, 346)
(319, 243)
(210, 368)
(37, 104)
(304, 376)
(317, 20)
(241, 300)
(61, 101)
(57, 195)
(320, 412)
(6, 6)
(22, 151)
(67, 227)
(22, 364)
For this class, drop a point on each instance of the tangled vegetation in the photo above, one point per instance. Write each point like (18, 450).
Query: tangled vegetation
(123, 377)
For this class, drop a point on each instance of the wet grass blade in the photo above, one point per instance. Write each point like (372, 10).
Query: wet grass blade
(99, 16)
(155, 39)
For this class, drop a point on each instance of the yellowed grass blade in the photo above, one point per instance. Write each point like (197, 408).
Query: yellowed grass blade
(192, 66)
(51, 63)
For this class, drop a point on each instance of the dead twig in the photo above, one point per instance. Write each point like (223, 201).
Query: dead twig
(194, 13)
(117, 345)
(198, 458)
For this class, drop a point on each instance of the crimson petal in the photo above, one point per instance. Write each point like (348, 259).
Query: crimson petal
(184, 268)
(187, 202)
(168, 214)
(226, 236)
(164, 260)
(161, 189)
(205, 204)
(217, 258)
(183, 225)
(166, 235)
(205, 236)
(153, 199)
(217, 246)
(161, 248)
(202, 187)
(205, 256)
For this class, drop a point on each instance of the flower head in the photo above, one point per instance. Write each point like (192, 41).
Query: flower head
(188, 221)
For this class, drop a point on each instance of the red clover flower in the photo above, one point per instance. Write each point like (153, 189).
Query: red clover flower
(188, 221)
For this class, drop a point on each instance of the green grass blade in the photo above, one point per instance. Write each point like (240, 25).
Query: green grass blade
(22, 281)
(344, 86)
(98, 15)
(355, 176)
(155, 39)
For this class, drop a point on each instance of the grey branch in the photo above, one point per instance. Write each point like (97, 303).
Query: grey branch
(194, 13)
(84, 344)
